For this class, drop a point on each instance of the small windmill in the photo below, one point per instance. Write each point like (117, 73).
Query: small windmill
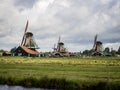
(28, 39)
(97, 46)
(60, 49)
(60, 46)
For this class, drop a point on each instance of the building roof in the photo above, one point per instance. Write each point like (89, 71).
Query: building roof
(29, 50)
(8, 52)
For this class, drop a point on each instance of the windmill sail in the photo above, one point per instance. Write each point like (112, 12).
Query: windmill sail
(23, 39)
(95, 40)
(54, 47)
(58, 47)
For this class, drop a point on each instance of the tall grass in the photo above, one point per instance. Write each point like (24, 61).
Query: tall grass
(60, 83)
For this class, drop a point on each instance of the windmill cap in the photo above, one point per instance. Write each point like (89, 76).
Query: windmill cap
(29, 33)
(99, 42)
(61, 43)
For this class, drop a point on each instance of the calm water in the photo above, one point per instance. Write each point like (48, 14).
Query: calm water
(6, 87)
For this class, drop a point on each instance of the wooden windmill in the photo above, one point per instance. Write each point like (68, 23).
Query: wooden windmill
(28, 45)
(60, 50)
(28, 39)
(60, 46)
(97, 46)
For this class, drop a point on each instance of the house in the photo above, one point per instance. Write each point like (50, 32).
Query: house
(6, 53)
(25, 51)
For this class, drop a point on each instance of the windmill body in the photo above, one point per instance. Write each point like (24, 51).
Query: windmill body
(28, 40)
(60, 50)
(97, 47)
(61, 47)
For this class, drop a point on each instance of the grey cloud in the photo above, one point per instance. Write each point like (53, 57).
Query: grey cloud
(25, 3)
(76, 21)
(111, 36)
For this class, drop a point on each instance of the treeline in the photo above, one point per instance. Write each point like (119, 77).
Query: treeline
(106, 52)
(1, 52)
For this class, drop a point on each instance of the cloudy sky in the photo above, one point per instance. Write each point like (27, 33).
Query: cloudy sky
(76, 21)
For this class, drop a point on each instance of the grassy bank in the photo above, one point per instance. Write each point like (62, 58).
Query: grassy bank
(60, 83)
(78, 72)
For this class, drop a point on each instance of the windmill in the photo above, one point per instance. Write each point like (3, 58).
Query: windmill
(97, 47)
(28, 39)
(28, 45)
(60, 46)
(60, 50)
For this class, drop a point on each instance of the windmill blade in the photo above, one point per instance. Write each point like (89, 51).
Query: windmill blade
(26, 26)
(95, 40)
(59, 40)
(58, 44)
(23, 39)
(54, 47)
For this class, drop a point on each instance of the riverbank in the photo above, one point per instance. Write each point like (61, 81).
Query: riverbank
(55, 83)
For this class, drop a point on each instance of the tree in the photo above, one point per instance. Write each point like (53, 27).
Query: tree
(113, 52)
(107, 50)
(88, 52)
(13, 50)
(1, 50)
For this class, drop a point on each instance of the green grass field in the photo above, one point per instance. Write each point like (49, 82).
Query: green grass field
(76, 69)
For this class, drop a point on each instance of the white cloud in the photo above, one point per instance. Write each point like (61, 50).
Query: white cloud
(113, 46)
(105, 1)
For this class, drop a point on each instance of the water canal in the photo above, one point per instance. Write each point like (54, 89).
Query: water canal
(6, 87)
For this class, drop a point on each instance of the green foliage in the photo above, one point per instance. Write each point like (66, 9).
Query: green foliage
(59, 83)
(87, 52)
(113, 52)
(1, 50)
(107, 50)
(13, 50)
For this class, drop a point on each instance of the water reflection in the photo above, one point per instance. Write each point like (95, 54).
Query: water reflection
(6, 87)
